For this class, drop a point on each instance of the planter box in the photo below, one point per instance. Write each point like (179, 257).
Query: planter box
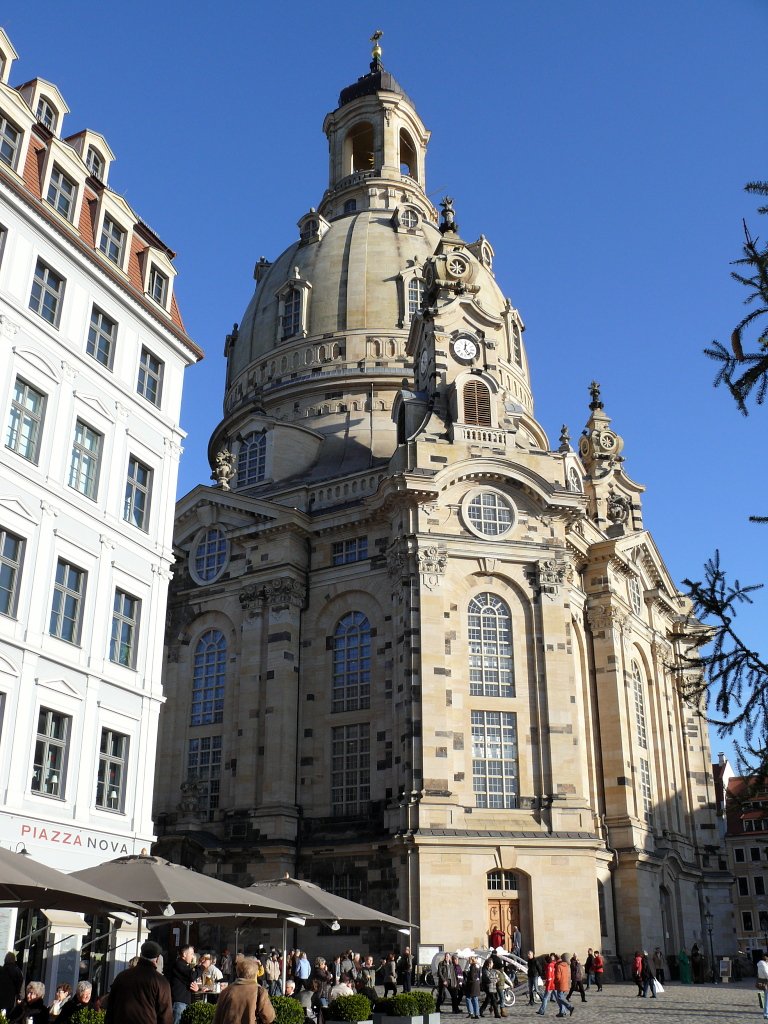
(383, 1018)
(431, 1018)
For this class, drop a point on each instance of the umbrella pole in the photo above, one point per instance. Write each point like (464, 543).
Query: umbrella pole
(138, 935)
(285, 950)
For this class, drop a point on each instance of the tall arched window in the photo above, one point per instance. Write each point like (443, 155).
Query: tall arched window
(637, 686)
(252, 460)
(351, 663)
(489, 631)
(477, 404)
(209, 677)
(290, 323)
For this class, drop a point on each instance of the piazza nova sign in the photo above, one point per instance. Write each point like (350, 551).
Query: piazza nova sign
(55, 842)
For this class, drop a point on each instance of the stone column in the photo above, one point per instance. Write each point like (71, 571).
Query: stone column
(65, 937)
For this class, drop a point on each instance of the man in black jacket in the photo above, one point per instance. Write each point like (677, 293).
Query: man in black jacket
(140, 994)
(182, 981)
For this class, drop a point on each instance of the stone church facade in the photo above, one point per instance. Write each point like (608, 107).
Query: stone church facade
(414, 653)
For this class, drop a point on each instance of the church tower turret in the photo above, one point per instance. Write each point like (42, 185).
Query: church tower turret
(377, 148)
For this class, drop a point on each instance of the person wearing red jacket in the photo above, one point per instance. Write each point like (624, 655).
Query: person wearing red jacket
(548, 978)
(598, 966)
(562, 984)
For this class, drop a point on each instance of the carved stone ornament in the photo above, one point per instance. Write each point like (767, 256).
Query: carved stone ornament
(397, 563)
(617, 509)
(192, 797)
(276, 593)
(432, 563)
(8, 328)
(550, 575)
(224, 470)
(603, 616)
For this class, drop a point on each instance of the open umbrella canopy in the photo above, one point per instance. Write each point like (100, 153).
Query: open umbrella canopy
(163, 888)
(312, 901)
(25, 883)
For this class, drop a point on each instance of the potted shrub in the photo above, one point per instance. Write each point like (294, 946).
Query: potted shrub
(400, 1009)
(350, 1008)
(200, 1012)
(288, 1010)
(426, 1004)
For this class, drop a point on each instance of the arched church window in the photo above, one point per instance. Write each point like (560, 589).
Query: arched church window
(308, 230)
(210, 555)
(637, 687)
(209, 677)
(415, 296)
(489, 635)
(252, 460)
(359, 148)
(574, 480)
(408, 162)
(477, 404)
(291, 319)
(351, 663)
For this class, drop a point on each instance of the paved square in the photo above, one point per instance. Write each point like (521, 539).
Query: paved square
(680, 1004)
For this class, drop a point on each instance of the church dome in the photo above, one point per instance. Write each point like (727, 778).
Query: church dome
(352, 273)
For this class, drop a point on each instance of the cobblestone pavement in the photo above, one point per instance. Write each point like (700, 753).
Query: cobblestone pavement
(680, 1004)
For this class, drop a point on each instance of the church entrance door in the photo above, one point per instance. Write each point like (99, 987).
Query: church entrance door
(503, 914)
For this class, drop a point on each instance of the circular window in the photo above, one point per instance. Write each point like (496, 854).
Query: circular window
(209, 556)
(488, 513)
(409, 219)
(457, 266)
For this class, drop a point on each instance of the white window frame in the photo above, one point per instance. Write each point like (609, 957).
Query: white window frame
(149, 381)
(159, 286)
(138, 493)
(62, 193)
(25, 426)
(404, 279)
(47, 114)
(51, 756)
(50, 287)
(124, 636)
(10, 147)
(111, 777)
(95, 163)
(68, 602)
(102, 338)
(85, 459)
(112, 240)
(11, 567)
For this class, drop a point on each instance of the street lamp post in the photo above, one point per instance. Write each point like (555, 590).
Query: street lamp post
(709, 920)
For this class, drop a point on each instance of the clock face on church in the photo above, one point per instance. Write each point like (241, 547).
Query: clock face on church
(464, 348)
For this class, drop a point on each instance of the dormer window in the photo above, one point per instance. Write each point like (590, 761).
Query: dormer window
(292, 301)
(291, 318)
(46, 114)
(10, 136)
(350, 206)
(158, 286)
(95, 163)
(112, 242)
(308, 229)
(409, 219)
(62, 193)
(415, 296)
(252, 460)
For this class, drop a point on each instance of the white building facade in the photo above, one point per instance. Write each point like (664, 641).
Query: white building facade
(93, 357)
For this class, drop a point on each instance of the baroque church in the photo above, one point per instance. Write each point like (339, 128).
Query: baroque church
(415, 653)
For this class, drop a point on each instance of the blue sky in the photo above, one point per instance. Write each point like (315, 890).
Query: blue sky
(602, 147)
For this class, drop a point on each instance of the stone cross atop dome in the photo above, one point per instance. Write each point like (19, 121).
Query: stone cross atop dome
(376, 64)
